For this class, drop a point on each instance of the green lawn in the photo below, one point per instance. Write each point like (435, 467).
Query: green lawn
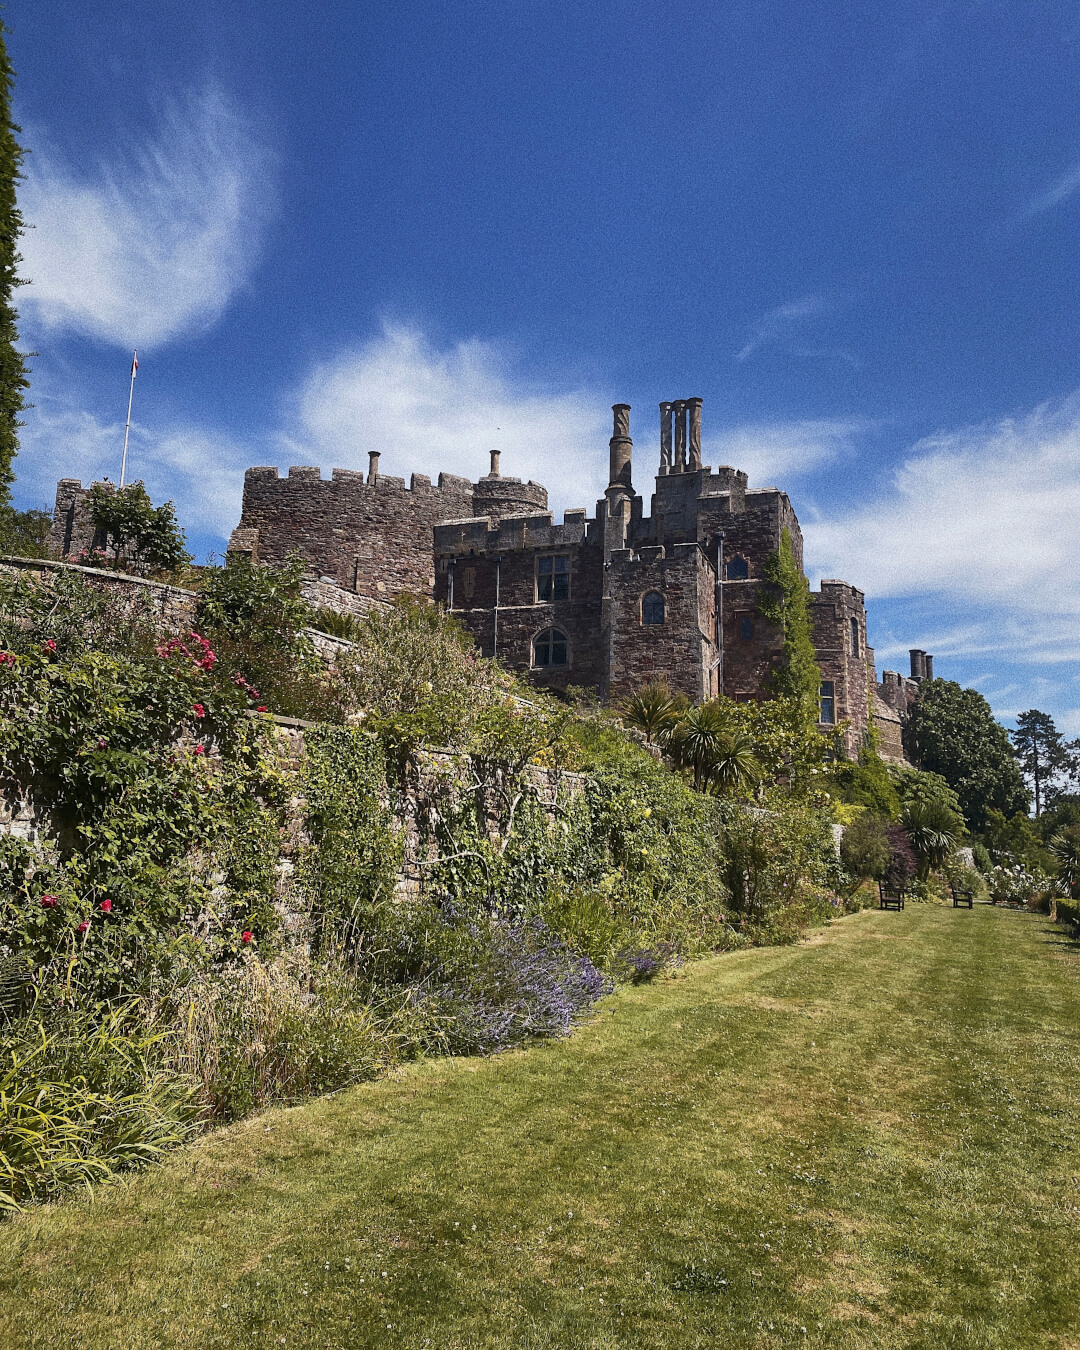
(866, 1140)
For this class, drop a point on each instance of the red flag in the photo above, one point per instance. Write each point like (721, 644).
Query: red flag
(134, 364)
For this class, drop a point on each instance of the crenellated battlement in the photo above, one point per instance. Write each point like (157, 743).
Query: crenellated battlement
(369, 534)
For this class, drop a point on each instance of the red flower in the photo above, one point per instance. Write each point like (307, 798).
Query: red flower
(245, 936)
(200, 749)
(198, 710)
(84, 925)
(101, 744)
(48, 902)
(261, 707)
(106, 906)
(50, 645)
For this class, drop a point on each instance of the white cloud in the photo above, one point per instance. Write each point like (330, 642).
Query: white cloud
(1058, 191)
(151, 245)
(771, 452)
(981, 523)
(429, 409)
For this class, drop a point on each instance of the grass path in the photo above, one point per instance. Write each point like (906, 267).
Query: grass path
(867, 1140)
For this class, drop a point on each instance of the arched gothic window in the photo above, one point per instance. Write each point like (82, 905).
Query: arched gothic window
(738, 569)
(652, 608)
(549, 648)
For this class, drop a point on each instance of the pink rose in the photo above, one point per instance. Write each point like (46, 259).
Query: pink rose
(48, 902)
(84, 925)
(245, 936)
(106, 906)
(200, 749)
(198, 710)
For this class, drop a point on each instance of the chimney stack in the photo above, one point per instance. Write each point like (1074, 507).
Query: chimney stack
(929, 667)
(373, 467)
(679, 407)
(694, 404)
(918, 663)
(621, 446)
(494, 464)
(665, 439)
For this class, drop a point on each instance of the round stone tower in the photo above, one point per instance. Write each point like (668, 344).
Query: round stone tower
(497, 496)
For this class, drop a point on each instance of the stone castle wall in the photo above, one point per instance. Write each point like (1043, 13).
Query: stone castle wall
(680, 651)
(369, 537)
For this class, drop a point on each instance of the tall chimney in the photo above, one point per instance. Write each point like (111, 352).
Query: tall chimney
(665, 439)
(680, 436)
(929, 667)
(620, 445)
(918, 663)
(494, 464)
(694, 404)
(372, 467)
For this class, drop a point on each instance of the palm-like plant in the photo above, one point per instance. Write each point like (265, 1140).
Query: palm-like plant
(734, 764)
(653, 711)
(1066, 850)
(933, 829)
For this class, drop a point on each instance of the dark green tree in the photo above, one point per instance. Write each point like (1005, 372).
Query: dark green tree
(13, 380)
(952, 732)
(145, 535)
(788, 606)
(1044, 754)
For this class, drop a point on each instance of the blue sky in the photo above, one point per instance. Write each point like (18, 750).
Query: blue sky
(437, 228)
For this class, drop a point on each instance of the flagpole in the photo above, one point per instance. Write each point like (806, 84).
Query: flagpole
(127, 428)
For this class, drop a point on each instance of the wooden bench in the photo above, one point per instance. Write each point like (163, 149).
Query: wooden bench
(890, 897)
(961, 897)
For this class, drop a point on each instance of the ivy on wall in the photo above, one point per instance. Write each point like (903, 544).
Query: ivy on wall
(798, 675)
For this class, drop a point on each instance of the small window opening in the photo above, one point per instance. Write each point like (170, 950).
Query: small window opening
(549, 648)
(854, 637)
(652, 608)
(828, 703)
(553, 578)
(738, 569)
(744, 625)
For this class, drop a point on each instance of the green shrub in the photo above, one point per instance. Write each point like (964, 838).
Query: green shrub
(865, 850)
(260, 1033)
(84, 1097)
(1068, 913)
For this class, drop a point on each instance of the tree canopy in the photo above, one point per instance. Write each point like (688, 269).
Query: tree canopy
(1045, 756)
(13, 378)
(953, 733)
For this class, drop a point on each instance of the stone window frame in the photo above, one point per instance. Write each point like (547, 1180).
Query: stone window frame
(827, 703)
(744, 618)
(556, 574)
(742, 568)
(534, 662)
(652, 623)
(856, 635)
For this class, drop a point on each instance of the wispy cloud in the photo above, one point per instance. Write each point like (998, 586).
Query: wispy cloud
(1059, 190)
(153, 243)
(772, 452)
(980, 523)
(430, 408)
(785, 327)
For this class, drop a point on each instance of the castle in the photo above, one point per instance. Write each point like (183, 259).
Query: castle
(607, 602)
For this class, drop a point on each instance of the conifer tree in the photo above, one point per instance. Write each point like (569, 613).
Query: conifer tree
(13, 378)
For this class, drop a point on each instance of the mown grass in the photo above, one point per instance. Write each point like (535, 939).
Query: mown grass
(867, 1140)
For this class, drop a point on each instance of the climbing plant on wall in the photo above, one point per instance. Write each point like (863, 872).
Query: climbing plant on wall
(798, 675)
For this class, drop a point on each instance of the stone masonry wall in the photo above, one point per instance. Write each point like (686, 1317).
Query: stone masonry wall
(838, 618)
(371, 538)
(681, 651)
(72, 531)
(474, 556)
